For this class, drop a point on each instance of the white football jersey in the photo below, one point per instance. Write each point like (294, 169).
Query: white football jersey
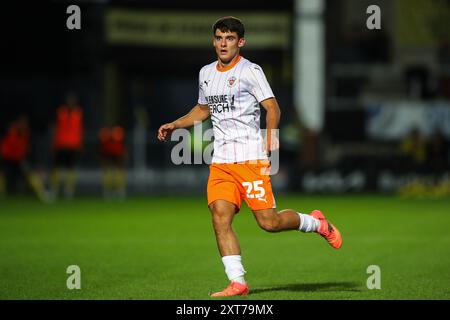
(233, 95)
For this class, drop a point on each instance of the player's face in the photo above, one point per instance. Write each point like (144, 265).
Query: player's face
(227, 45)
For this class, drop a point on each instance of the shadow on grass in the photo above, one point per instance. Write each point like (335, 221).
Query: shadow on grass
(312, 287)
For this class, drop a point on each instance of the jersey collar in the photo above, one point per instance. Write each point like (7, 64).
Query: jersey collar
(230, 66)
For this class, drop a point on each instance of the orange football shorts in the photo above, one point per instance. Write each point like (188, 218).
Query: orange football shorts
(236, 181)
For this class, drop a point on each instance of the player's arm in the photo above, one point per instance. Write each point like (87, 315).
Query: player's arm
(272, 121)
(198, 113)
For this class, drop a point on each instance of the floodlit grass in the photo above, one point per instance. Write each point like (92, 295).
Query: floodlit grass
(164, 248)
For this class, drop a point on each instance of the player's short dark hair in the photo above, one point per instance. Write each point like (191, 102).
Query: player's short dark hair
(229, 24)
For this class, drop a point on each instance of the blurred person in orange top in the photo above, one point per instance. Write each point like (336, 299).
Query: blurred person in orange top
(113, 156)
(13, 149)
(67, 146)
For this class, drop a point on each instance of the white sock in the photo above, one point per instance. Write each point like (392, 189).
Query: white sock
(234, 268)
(308, 223)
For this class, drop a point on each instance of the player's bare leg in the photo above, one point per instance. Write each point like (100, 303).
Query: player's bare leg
(55, 181)
(222, 217)
(120, 182)
(272, 221)
(2, 185)
(70, 183)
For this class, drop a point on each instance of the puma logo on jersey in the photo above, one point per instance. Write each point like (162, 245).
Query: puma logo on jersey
(262, 199)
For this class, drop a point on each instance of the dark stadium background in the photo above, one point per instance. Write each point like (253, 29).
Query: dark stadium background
(43, 60)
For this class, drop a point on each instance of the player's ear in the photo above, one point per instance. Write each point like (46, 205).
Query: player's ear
(241, 42)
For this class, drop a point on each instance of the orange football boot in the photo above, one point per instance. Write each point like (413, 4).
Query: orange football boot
(234, 289)
(327, 230)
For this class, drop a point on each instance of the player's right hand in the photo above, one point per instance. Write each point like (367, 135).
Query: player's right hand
(165, 131)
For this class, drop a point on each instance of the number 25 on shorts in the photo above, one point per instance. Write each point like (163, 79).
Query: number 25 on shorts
(254, 189)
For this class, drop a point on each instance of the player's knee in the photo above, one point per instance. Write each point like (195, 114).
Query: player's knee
(269, 224)
(221, 216)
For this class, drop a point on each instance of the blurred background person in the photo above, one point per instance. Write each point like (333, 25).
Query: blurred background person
(414, 147)
(14, 148)
(67, 146)
(113, 158)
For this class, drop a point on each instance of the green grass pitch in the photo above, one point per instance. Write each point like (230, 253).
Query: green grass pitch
(164, 248)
